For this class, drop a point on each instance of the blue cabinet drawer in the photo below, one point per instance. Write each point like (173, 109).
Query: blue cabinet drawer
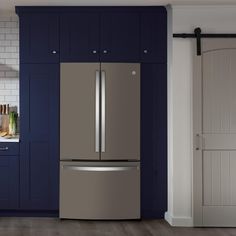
(9, 149)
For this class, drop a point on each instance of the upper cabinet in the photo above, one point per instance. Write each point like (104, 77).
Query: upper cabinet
(79, 37)
(154, 36)
(93, 34)
(120, 36)
(39, 38)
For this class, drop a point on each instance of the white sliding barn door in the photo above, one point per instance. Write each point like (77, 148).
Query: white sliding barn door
(214, 115)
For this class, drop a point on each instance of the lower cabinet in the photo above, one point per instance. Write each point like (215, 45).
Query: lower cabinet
(39, 147)
(9, 182)
(153, 140)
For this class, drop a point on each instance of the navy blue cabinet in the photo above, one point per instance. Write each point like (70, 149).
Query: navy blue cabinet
(153, 140)
(50, 35)
(79, 37)
(154, 36)
(90, 36)
(39, 149)
(9, 181)
(39, 38)
(120, 36)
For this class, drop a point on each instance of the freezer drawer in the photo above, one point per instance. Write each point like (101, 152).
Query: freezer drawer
(98, 190)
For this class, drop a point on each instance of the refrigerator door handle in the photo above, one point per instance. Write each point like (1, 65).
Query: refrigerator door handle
(100, 168)
(103, 111)
(97, 110)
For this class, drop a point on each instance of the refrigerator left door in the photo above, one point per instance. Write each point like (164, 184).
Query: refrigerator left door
(79, 111)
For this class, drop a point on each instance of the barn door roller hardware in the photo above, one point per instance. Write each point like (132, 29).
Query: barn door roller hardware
(198, 35)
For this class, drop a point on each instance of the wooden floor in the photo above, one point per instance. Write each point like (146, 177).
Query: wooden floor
(55, 227)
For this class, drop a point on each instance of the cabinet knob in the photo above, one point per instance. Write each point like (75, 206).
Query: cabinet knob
(54, 51)
(145, 51)
(105, 51)
(4, 148)
(94, 51)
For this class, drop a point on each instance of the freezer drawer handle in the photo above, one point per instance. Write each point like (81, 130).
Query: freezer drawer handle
(97, 108)
(100, 168)
(103, 111)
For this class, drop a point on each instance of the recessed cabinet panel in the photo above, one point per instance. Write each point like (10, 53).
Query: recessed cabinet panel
(154, 140)
(39, 154)
(9, 182)
(154, 37)
(120, 37)
(39, 38)
(79, 36)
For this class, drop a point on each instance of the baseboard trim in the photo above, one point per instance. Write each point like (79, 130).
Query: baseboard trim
(28, 213)
(179, 221)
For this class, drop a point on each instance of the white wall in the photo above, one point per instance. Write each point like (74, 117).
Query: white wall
(9, 59)
(183, 19)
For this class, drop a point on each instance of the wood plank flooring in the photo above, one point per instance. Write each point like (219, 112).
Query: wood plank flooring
(55, 227)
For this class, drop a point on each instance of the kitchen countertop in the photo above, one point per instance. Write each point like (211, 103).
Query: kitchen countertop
(9, 140)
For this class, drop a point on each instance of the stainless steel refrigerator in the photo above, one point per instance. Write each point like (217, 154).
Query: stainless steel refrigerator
(100, 141)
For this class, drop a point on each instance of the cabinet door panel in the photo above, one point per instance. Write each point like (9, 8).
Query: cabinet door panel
(154, 37)
(79, 37)
(39, 38)
(39, 154)
(120, 37)
(9, 182)
(153, 140)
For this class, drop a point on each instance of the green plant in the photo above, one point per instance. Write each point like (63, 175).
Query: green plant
(12, 122)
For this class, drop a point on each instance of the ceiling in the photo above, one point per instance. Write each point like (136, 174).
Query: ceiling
(9, 5)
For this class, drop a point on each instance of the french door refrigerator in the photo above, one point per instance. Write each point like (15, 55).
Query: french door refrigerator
(100, 141)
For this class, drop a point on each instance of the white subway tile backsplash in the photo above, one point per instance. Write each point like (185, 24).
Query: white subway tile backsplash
(15, 92)
(9, 55)
(11, 36)
(5, 92)
(5, 43)
(9, 60)
(11, 86)
(11, 98)
(5, 18)
(11, 49)
(13, 67)
(11, 24)
(14, 43)
(15, 18)
(4, 67)
(15, 31)
(11, 73)
(5, 31)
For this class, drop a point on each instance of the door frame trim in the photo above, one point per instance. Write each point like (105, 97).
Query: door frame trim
(197, 151)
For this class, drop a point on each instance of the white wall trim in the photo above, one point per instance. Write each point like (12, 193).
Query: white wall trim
(202, 7)
(179, 221)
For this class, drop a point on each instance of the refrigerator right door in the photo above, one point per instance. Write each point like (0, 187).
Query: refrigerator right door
(120, 111)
